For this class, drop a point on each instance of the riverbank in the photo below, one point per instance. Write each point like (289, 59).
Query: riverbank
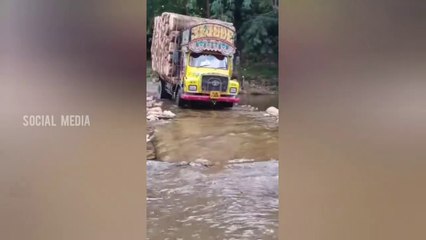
(259, 78)
(256, 88)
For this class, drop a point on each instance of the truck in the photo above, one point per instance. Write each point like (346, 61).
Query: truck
(194, 59)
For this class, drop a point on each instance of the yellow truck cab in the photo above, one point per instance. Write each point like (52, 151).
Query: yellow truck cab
(203, 67)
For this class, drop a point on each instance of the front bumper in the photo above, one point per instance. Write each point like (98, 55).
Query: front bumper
(206, 98)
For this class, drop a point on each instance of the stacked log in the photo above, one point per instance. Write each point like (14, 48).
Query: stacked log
(167, 28)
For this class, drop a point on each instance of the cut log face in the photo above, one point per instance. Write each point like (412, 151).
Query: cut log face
(167, 28)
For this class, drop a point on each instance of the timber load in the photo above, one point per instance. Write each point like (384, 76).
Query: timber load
(166, 30)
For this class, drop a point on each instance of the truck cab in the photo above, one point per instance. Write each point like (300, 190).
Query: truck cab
(204, 66)
(207, 77)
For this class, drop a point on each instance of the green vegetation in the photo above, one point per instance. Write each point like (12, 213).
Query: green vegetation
(148, 68)
(265, 74)
(256, 23)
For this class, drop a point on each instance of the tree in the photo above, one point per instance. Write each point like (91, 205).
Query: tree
(155, 8)
(256, 22)
(259, 30)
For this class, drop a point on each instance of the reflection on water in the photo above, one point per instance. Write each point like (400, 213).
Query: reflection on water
(203, 203)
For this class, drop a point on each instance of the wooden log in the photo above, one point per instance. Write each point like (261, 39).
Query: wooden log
(167, 28)
(172, 47)
(179, 22)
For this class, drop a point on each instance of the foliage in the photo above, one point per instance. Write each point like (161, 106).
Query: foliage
(256, 22)
(260, 35)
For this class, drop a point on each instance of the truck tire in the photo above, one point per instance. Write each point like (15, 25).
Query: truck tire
(179, 101)
(162, 90)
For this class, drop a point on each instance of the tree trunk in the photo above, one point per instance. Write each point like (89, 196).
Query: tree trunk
(238, 22)
(208, 8)
(275, 4)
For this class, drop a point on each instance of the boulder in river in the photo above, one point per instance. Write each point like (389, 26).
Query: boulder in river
(156, 113)
(273, 111)
(157, 104)
(155, 110)
(151, 117)
(168, 114)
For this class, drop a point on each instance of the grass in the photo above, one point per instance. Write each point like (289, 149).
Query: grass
(264, 74)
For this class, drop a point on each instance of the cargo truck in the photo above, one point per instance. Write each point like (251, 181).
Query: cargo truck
(194, 59)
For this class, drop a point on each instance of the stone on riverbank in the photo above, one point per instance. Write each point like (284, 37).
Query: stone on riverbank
(151, 118)
(157, 104)
(168, 114)
(155, 110)
(156, 113)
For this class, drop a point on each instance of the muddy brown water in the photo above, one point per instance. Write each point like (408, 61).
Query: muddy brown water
(238, 202)
(262, 102)
(235, 199)
(217, 135)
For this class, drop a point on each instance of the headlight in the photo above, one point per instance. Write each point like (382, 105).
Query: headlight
(233, 90)
(192, 88)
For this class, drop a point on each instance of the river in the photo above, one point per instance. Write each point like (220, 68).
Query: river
(237, 197)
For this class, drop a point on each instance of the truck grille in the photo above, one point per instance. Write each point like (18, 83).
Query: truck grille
(214, 83)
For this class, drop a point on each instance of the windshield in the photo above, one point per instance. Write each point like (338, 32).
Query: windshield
(208, 61)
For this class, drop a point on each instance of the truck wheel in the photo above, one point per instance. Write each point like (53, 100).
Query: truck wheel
(162, 90)
(179, 101)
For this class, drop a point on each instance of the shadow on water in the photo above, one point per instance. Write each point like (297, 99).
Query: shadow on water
(207, 106)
